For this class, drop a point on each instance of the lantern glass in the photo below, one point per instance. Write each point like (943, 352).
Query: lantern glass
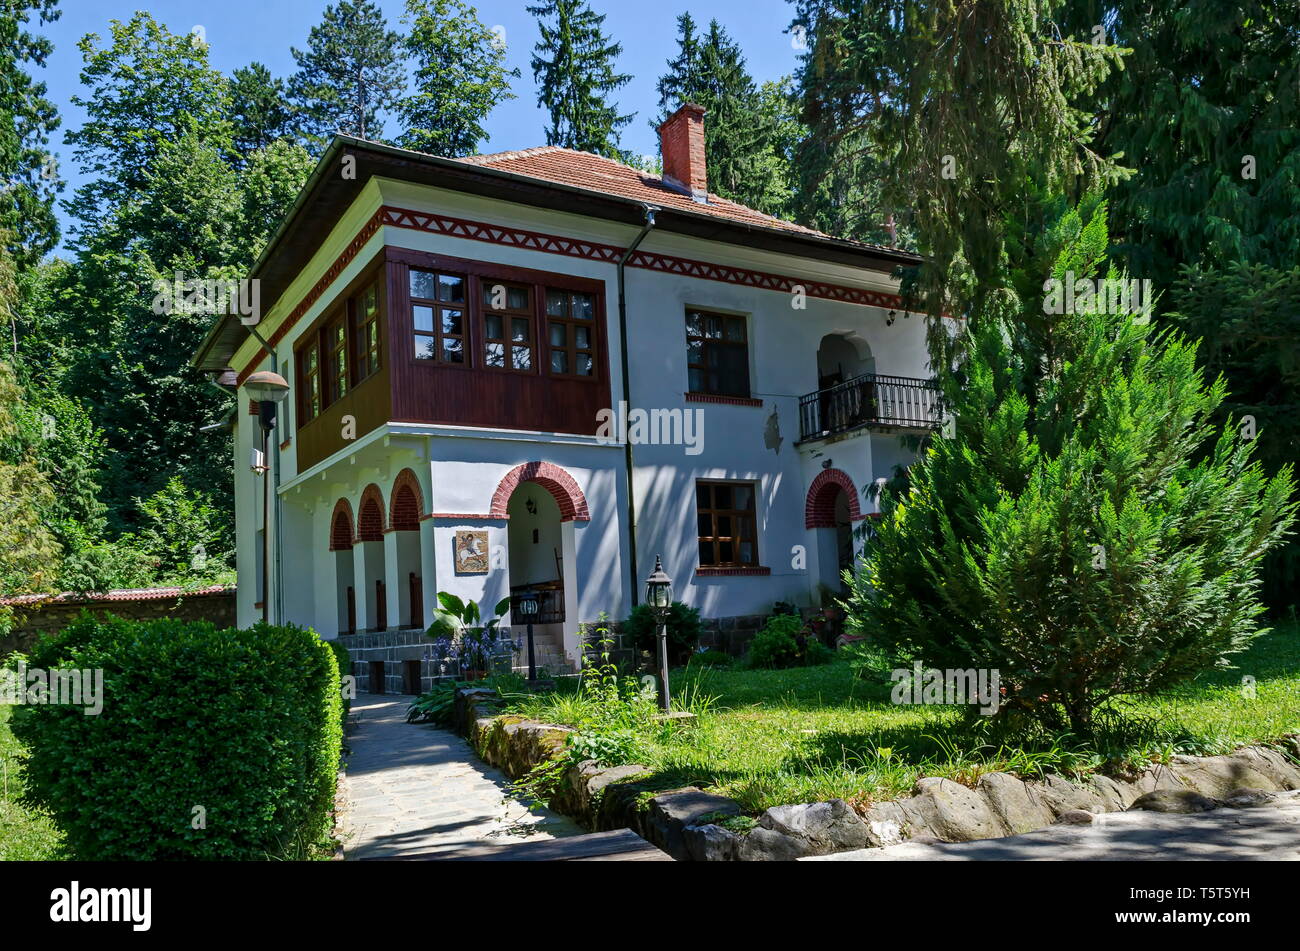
(659, 588)
(528, 607)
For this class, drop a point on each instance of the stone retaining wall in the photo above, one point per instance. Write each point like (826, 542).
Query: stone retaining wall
(685, 822)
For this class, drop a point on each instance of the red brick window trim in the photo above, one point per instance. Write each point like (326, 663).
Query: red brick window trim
(706, 572)
(725, 400)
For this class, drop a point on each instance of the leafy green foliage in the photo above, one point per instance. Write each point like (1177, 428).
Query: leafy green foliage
(1084, 530)
(575, 82)
(683, 622)
(259, 109)
(244, 724)
(785, 641)
(459, 77)
(350, 72)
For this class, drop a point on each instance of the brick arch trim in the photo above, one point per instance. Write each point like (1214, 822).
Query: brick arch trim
(562, 486)
(819, 510)
(370, 515)
(406, 505)
(341, 522)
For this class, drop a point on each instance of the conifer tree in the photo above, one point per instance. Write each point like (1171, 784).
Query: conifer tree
(259, 109)
(573, 64)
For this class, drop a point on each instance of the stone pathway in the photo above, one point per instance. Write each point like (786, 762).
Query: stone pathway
(416, 788)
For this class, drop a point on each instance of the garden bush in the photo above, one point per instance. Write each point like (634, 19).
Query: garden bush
(784, 642)
(212, 744)
(344, 661)
(683, 630)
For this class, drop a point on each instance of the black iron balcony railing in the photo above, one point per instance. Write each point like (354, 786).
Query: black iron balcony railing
(870, 400)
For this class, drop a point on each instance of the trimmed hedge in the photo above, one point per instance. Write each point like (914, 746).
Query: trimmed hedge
(245, 724)
(344, 661)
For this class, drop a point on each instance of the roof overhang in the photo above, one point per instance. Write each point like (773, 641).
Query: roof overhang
(333, 187)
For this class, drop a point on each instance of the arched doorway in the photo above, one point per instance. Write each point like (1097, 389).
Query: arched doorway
(405, 508)
(370, 548)
(341, 535)
(845, 367)
(830, 512)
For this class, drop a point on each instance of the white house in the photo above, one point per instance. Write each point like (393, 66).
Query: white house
(544, 368)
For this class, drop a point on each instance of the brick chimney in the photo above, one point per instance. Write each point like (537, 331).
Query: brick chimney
(681, 139)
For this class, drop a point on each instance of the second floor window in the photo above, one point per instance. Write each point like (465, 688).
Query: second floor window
(717, 354)
(309, 391)
(571, 329)
(367, 348)
(725, 511)
(336, 359)
(507, 326)
(438, 313)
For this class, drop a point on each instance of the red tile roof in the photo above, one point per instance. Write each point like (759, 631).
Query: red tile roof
(605, 176)
(121, 594)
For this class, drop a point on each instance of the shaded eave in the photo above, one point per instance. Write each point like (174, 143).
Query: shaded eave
(328, 195)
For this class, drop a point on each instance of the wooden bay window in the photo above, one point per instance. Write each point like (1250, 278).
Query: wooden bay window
(507, 326)
(571, 330)
(438, 314)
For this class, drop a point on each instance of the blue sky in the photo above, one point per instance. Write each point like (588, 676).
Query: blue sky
(241, 31)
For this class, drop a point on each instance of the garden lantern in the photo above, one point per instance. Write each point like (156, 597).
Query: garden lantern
(270, 390)
(659, 596)
(526, 606)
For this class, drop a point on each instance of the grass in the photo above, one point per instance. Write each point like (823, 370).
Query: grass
(767, 738)
(26, 834)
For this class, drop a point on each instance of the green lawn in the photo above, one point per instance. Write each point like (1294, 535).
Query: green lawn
(25, 834)
(774, 737)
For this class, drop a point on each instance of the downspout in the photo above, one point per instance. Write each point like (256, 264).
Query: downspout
(627, 392)
(275, 490)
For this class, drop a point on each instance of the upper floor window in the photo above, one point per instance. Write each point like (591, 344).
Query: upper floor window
(571, 326)
(367, 319)
(717, 354)
(309, 391)
(507, 326)
(336, 359)
(438, 313)
(727, 536)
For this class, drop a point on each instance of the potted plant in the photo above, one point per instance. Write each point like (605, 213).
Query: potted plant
(460, 630)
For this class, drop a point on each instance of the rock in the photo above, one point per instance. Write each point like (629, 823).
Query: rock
(711, 843)
(951, 812)
(1182, 801)
(768, 845)
(1075, 817)
(1250, 798)
(886, 824)
(827, 826)
(1060, 795)
(1115, 796)
(671, 812)
(924, 839)
(1014, 802)
(1218, 775)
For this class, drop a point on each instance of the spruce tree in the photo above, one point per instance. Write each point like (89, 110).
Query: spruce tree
(350, 72)
(259, 109)
(1082, 527)
(459, 78)
(573, 64)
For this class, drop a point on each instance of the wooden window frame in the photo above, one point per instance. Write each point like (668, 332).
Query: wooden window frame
(750, 514)
(305, 376)
(368, 362)
(570, 323)
(508, 315)
(706, 343)
(333, 345)
(465, 306)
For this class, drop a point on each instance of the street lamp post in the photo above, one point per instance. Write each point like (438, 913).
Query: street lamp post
(269, 389)
(527, 606)
(659, 596)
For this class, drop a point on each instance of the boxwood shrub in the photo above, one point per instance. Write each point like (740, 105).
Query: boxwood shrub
(212, 744)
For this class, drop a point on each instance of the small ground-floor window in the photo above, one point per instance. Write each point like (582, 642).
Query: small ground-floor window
(727, 524)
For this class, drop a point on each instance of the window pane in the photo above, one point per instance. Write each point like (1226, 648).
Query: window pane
(311, 360)
(370, 302)
(706, 553)
(582, 337)
(422, 285)
(451, 288)
(726, 526)
(517, 298)
(423, 317)
(726, 552)
(584, 306)
(585, 365)
(451, 322)
(555, 303)
(451, 350)
(744, 497)
(694, 324)
(746, 553)
(523, 358)
(558, 335)
(519, 328)
(495, 355)
(735, 329)
(559, 361)
(713, 327)
(703, 498)
(704, 524)
(494, 329)
(696, 381)
(722, 497)
(425, 348)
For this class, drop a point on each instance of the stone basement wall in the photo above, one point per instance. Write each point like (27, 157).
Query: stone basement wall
(48, 616)
(938, 809)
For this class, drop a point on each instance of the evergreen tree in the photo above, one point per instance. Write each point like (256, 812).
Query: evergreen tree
(1083, 528)
(259, 109)
(741, 124)
(349, 74)
(578, 78)
(460, 77)
(28, 172)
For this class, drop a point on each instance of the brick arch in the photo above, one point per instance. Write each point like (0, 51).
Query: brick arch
(370, 515)
(406, 504)
(341, 523)
(561, 485)
(819, 510)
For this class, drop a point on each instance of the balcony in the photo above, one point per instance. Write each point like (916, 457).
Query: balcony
(897, 402)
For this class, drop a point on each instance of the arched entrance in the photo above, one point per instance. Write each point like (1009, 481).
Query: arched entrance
(830, 512)
(341, 535)
(405, 509)
(845, 367)
(370, 550)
